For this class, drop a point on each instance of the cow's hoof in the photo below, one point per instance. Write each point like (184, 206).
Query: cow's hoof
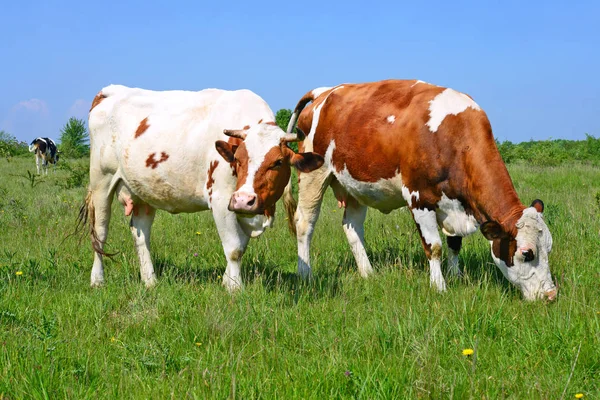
(439, 286)
(151, 282)
(305, 272)
(232, 285)
(97, 283)
(365, 272)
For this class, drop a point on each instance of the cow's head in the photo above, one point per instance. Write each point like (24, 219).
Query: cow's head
(523, 259)
(263, 163)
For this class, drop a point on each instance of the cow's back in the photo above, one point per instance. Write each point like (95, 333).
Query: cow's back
(161, 144)
(383, 136)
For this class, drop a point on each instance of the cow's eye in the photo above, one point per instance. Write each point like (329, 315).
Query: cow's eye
(276, 164)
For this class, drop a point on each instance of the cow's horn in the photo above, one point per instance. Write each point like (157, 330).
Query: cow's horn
(236, 133)
(292, 137)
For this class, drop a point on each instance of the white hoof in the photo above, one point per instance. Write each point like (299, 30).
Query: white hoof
(150, 282)
(439, 285)
(366, 272)
(231, 284)
(97, 282)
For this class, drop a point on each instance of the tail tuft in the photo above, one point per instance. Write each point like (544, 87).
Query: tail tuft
(87, 215)
(290, 204)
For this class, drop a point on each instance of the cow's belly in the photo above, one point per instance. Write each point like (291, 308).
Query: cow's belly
(168, 196)
(164, 192)
(384, 195)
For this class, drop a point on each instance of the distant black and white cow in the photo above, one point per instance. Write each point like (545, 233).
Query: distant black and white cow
(45, 152)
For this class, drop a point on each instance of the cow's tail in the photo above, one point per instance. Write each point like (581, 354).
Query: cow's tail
(289, 202)
(32, 147)
(307, 98)
(87, 215)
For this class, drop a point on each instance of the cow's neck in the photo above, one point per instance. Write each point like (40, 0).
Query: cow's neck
(494, 197)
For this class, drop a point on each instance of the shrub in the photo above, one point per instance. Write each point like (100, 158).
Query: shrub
(74, 139)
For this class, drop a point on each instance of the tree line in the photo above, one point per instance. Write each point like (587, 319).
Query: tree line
(74, 143)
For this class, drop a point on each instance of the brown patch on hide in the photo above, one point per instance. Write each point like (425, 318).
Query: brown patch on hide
(151, 162)
(97, 100)
(143, 127)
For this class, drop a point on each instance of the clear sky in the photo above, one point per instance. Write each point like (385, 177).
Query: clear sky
(534, 67)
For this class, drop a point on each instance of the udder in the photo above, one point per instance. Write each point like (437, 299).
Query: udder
(131, 203)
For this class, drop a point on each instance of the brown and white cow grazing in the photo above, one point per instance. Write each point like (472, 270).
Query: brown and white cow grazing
(402, 143)
(45, 152)
(156, 150)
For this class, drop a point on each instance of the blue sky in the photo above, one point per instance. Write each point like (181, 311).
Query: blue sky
(534, 67)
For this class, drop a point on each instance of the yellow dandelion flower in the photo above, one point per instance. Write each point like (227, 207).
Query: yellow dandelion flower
(19, 273)
(198, 344)
(198, 233)
(219, 277)
(468, 352)
(579, 396)
(113, 339)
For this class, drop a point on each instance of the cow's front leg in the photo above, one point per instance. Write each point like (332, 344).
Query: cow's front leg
(354, 220)
(454, 245)
(432, 244)
(234, 242)
(141, 226)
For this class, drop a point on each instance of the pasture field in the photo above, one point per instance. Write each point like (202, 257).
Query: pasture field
(339, 336)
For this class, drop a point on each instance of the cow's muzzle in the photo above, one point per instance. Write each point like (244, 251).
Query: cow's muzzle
(550, 295)
(244, 203)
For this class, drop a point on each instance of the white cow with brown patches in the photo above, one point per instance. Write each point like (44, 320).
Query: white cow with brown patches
(156, 150)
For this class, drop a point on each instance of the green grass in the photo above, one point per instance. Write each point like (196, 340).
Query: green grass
(340, 336)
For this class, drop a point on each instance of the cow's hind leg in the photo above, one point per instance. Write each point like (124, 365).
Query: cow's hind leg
(354, 220)
(37, 164)
(311, 188)
(234, 242)
(99, 202)
(454, 245)
(141, 226)
(432, 244)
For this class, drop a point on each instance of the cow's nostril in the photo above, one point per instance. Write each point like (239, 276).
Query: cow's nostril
(252, 201)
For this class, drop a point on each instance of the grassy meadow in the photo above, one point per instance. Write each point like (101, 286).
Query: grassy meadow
(339, 336)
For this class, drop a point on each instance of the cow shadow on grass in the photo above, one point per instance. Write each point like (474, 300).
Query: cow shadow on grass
(477, 266)
(266, 273)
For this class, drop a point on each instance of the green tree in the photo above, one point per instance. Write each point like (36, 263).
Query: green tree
(10, 146)
(282, 119)
(74, 138)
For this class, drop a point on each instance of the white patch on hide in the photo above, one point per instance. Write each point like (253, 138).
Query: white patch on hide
(308, 142)
(319, 91)
(408, 195)
(453, 218)
(391, 119)
(259, 141)
(449, 102)
(427, 225)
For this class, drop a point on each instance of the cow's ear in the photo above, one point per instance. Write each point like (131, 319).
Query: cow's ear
(538, 205)
(225, 150)
(306, 162)
(492, 230)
